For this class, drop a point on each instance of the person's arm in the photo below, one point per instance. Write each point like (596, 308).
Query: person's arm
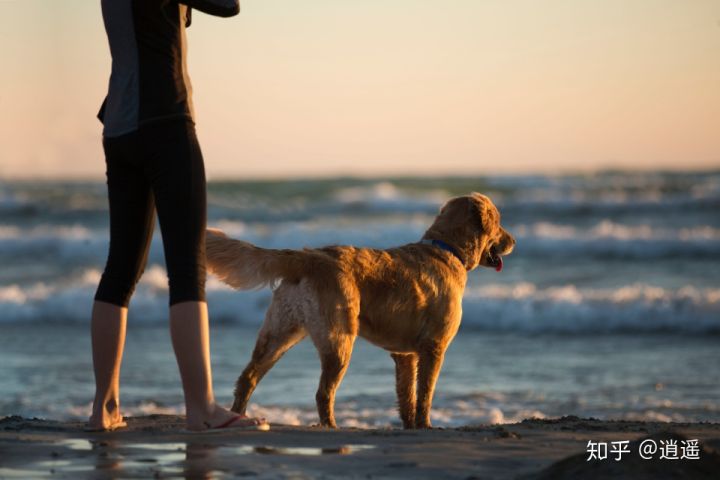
(219, 8)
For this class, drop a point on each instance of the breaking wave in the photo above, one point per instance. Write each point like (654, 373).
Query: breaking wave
(521, 307)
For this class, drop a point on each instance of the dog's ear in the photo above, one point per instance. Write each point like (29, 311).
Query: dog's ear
(485, 212)
(475, 211)
(456, 221)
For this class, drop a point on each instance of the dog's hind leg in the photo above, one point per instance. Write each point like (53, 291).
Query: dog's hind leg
(276, 337)
(334, 336)
(334, 361)
(430, 362)
(405, 379)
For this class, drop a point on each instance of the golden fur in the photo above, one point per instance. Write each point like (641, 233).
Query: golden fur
(406, 300)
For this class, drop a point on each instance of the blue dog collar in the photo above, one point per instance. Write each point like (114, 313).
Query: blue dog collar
(443, 246)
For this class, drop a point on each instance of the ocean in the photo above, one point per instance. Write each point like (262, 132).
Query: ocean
(609, 307)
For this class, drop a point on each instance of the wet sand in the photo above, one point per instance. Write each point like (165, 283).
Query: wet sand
(157, 447)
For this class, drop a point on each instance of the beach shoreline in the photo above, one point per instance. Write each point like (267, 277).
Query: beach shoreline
(156, 446)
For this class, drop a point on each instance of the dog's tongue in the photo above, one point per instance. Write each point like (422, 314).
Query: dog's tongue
(499, 265)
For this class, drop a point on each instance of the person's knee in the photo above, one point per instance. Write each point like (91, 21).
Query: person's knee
(116, 289)
(187, 286)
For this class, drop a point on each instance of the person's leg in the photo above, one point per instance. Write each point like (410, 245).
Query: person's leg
(108, 339)
(177, 175)
(131, 226)
(189, 330)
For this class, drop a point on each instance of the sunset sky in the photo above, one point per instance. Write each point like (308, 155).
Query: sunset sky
(377, 87)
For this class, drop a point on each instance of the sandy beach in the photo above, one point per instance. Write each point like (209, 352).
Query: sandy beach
(157, 447)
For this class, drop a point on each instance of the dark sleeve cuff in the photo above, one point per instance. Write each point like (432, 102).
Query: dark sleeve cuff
(219, 8)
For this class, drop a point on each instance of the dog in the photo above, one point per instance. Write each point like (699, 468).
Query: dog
(406, 300)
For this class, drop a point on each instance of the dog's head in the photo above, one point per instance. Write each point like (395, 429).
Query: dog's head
(471, 226)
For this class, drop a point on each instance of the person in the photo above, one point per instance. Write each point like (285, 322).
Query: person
(154, 163)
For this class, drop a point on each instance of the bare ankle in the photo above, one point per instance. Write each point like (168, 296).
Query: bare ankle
(112, 406)
(106, 409)
(198, 415)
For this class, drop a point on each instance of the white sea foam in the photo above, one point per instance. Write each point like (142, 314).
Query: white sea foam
(637, 307)
(519, 307)
(77, 245)
(367, 413)
(384, 196)
(46, 232)
(452, 412)
(609, 230)
(611, 239)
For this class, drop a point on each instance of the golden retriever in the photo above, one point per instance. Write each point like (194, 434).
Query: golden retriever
(406, 300)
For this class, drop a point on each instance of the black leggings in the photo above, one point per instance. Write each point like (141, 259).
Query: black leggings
(158, 167)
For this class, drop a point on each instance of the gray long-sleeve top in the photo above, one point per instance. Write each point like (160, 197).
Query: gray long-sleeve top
(149, 80)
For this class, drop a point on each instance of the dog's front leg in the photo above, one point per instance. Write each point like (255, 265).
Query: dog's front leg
(405, 380)
(430, 362)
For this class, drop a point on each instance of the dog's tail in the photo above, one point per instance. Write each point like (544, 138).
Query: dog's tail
(244, 266)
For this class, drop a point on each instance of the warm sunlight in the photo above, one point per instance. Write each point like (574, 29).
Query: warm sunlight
(370, 88)
(491, 223)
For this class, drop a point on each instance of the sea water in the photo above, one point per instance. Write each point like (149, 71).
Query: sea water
(609, 306)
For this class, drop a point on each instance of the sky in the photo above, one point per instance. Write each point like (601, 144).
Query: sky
(388, 87)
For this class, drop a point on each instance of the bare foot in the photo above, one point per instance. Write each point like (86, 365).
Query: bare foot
(105, 423)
